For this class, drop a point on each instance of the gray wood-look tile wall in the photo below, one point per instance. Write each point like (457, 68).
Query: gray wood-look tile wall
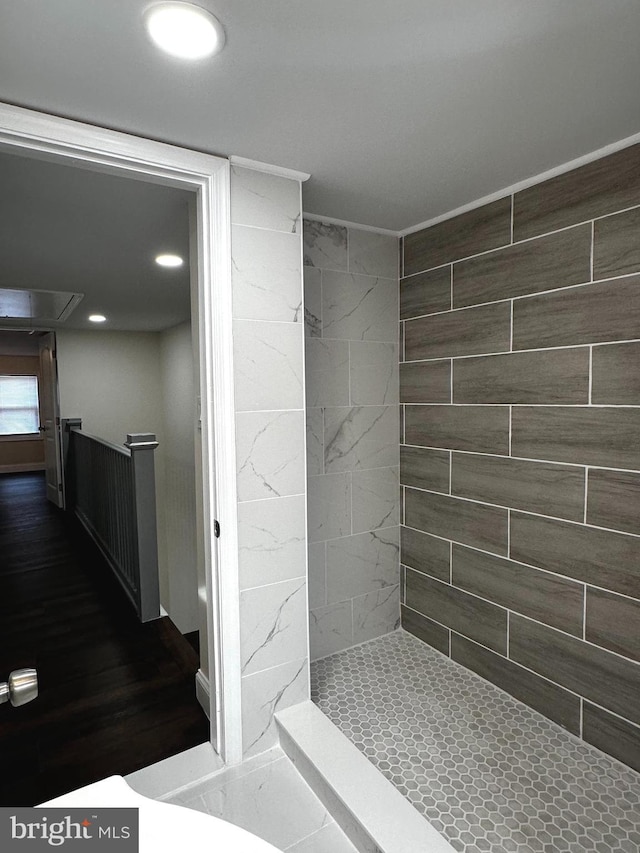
(520, 446)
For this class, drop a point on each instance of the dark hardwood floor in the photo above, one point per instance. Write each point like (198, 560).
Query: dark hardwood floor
(115, 695)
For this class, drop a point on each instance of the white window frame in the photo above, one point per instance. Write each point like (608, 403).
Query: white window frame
(23, 436)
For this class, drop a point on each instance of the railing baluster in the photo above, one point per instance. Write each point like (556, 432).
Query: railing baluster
(112, 491)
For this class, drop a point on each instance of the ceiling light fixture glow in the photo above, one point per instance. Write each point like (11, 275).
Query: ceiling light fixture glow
(184, 30)
(169, 260)
(97, 318)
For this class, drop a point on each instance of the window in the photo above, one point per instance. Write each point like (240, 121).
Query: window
(19, 409)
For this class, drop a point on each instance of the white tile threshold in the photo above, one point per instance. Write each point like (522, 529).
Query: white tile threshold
(368, 808)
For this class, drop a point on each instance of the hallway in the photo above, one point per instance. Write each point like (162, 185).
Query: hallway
(115, 695)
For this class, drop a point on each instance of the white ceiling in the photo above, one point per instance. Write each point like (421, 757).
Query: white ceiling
(401, 110)
(69, 229)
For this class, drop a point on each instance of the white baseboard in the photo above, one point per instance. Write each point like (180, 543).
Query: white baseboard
(203, 692)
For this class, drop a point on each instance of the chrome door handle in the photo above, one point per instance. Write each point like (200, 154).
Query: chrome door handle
(22, 687)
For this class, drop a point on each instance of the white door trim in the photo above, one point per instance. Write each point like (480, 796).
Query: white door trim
(29, 133)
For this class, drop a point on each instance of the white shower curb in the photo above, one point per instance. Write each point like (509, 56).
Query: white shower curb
(370, 811)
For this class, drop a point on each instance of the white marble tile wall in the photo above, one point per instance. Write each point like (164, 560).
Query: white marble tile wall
(350, 314)
(266, 249)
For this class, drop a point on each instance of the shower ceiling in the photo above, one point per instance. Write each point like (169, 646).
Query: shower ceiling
(400, 110)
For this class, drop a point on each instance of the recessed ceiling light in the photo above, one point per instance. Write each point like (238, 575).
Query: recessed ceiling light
(169, 260)
(184, 30)
(97, 318)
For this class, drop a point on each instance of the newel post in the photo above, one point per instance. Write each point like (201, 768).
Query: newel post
(68, 475)
(142, 446)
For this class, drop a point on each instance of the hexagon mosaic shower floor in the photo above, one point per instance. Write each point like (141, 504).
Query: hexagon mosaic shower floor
(489, 773)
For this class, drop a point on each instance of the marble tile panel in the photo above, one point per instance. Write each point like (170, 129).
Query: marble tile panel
(329, 506)
(312, 278)
(265, 693)
(375, 498)
(373, 373)
(373, 254)
(264, 201)
(376, 613)
(330, 839)
(270, 454)
(272, 802)
(327, 372)
(268, 365)
(315, 441)
(330, 629)
(266, 276)
(273, 626)
(361, 437)
(325, 245)
(317, 575)
(362, 563)
(271, 540)
(359, 307)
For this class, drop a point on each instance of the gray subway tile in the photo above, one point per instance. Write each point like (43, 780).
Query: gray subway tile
(538, 693)
(425, 382)
(594, 673)
(612, 735)
(613, 621)
(517, 483)
(557, 260)
(609, 184)
(543, 376)
(424, 468)
(469, 331)
(613, 500)
(608, 437)
(425, 293)
(473, 524)
(616, 244)
(479, 429)
(429, 632)
(605, 311)
(600, 557)
(425, 553)
(616, 374)
(477, 619)
(478, 230)
(533, 593)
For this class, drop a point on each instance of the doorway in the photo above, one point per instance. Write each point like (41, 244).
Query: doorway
(206, 178)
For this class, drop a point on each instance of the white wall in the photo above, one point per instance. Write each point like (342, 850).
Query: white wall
(179, 413)
(112, 380)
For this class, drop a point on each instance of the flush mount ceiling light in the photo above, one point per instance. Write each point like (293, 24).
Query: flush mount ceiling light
(184, 30)
(97, 318)
(169, 260)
